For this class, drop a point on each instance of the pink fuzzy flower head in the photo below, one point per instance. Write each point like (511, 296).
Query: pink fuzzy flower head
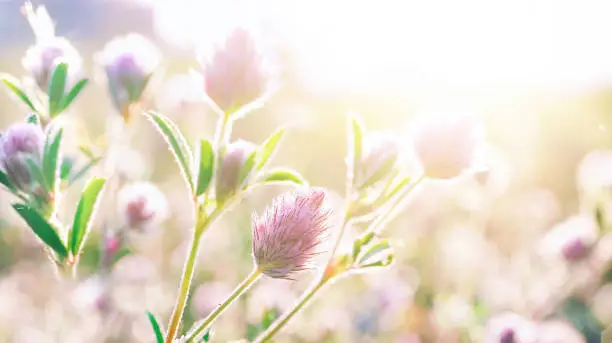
(291, 232)
(235, 74)
(230, 169)
(129, 62)
(447, 147)
(20, 142)
(142, 205)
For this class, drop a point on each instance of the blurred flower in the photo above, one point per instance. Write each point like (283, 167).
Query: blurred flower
(41, 58)
(235, 74)
(230, 169)
(379, 156)
(142, 205)
(20, 142)
(129, 62)
(571, 239)
(208, 296)
(595, 171)
(291, 232)
(447, 147)
(510, 328)
(556, 331)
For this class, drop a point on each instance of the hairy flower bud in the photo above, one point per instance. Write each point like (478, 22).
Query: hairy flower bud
(142, 205)
(291, 232)
(379, 157)
(447, 147)
(129, 62)
(235, 75)
(230, 168)
(20, 142)
(41, 58)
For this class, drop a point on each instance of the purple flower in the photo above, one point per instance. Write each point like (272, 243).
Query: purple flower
(142, 205)
(510, 328)
(41, 58)
(291, 232)
(129, 62)
(448, 147)
(20, 142)
(235, 75)
(571, 239)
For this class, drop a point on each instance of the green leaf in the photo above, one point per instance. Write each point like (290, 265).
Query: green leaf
(246, 169)
(283, 175)
(360, 242)
(76, 176)
(159, 336)
(14, 86)
(50, 157)
(74, 92)
(56, 89)
(375, 249)
(207, 336)
(84, 213)
(4, 180)
(268, 147)
(37, 173)
(66, 168)
(382, 263)
(42, 229)
(178, 145)
(207, 161)
(33, 119)
(355, 144)
(384, 170)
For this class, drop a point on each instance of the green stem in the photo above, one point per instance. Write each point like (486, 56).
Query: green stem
(278, 324)
(181, 300)
(243, 287)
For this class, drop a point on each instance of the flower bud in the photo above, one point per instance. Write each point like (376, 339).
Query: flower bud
(510, 328)
(235, 75)
(572, 239)
(448, 147)
(142, 205)
(20, 142)
(230, 169)
(380, 152)
(41, 58)
(291, 232)
(129, 62)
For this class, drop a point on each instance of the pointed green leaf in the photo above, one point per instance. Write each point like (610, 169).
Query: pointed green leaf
(268, 147)
(283, 175)
(33, 119)
(56, 89)
(207, 160)
(355, 144)
(375, 249)
(177, 143)
(4, 180)
(79, 174)
(37, 173)
(382, 263)
(13, 86)
(360, 242)
(74, 92)
(159, 336)
(42, 229)
(50, 158)
(66, 168)
(84, 214)
(245, 171)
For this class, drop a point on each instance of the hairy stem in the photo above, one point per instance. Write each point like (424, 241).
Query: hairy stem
(184, 287)
(243, 287)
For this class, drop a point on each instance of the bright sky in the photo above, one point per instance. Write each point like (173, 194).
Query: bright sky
(390, 46)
